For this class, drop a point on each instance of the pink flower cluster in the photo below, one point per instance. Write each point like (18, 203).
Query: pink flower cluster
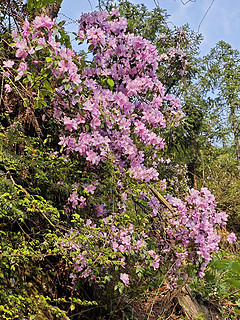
(111, 103)
(123, 244)
(186, 236)
(115, 109)
(193, 225)
(174, 61)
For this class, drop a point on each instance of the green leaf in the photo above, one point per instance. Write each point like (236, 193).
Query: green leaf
(236, 267)
(48, 86)
(234, 283)
(121, 288)
(48, 59)
(91, 47)
(209, 277)
(62, 23)
(55, 31)
(30, 5)
(17, 78)
(66, 86)
(220, 264)
(110, 82)
(25, 80)
(39, 48)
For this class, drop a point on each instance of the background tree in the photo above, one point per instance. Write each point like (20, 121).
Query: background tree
(220, 82)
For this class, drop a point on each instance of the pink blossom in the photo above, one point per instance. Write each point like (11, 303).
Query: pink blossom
(43, 21)
(124, 277)
(101, 209)
(114, 245)
(91, 188)
(140, 244)
(81, 35)
(8, 64)
(93, 157)
(155, 263)
(88, 222)
(21, 44)
(7, 88)
(6, 74)
(231, 237)
(82, 202)
(15, 33)
(25, 29)
(22, 69)
(70, 124)
(74, 199)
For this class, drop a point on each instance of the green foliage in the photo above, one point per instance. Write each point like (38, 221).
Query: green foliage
(221, 284)
(219, 171)
(30, 223)
(220, 84)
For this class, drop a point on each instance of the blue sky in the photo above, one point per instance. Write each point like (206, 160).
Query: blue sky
(222, 22)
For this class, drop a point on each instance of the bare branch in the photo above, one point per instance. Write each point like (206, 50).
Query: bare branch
(161, 199)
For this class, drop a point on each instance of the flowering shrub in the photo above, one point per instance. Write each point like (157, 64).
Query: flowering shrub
(112, 103)
(194, 223)
(111, 115)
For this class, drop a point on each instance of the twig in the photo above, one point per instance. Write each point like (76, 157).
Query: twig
(28, 194)
(161, 199)
(17, 185)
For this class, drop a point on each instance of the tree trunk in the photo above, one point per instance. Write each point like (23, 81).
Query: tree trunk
(192, 308)
(51, 10)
